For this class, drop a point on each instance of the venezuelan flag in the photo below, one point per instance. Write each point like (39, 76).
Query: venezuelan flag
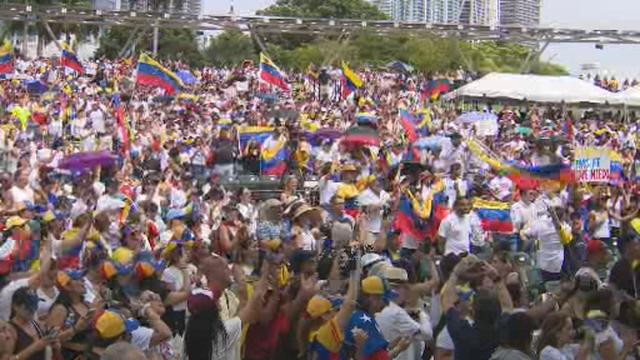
(408, 221)
(350, 81)
(151, 73)
(408, 123)
(70, 60)
(271, 74)
(439, 209)
(6, 58)
(367, 119)
(557, 172)
(495, 216)
(258, 134)
(615, 167)
(273, 160)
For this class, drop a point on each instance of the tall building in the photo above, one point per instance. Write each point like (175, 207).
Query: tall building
(520, 12)
(192, 7)
(402, 10)
(480, 12)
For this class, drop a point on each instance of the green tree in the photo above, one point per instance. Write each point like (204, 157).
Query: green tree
(173, 44)
(230, 48)
(339, 9)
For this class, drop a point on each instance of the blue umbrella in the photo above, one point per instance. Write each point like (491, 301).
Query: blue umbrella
(430, 142)
(471, 117)
(36, 87)
(400, 66)
(186, 77)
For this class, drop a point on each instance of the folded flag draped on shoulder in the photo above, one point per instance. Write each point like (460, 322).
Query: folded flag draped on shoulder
(273, 158)
(151, 73)
(421, 219)
(350, 81)
(495, 216)
(121, 121)
(409, 124)
(6, 58)
(70, 60)
(271, 74)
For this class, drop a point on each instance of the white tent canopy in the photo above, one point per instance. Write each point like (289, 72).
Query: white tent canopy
(536, 88)
(630, 97)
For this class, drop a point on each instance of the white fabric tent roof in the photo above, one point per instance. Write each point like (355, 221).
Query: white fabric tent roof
(537, 88)
(631, 96)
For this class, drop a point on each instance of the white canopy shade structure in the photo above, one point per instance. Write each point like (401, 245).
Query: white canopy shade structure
(535, 88)
(630, 97)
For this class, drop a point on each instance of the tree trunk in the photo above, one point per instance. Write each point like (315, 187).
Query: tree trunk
(40, 46)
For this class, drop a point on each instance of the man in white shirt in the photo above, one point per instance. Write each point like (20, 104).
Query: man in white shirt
(461, 230)
(372, 200)
(523, 212)
(454, 185)
(395, 322)
(550, 254)
(21, 192)
(96, 116)
(501, 187)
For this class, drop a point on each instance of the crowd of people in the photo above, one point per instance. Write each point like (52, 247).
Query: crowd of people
(123, 239)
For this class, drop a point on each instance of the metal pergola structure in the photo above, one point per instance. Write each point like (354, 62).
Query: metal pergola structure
(292, 25)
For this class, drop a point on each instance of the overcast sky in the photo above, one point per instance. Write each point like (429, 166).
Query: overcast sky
(619, 60)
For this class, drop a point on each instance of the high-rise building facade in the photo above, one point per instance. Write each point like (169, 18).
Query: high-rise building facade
(520, 12)
(474, 12)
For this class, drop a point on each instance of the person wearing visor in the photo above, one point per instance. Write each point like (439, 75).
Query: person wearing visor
(395, 323)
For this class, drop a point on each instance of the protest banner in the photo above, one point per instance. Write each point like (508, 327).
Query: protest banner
(592, 164)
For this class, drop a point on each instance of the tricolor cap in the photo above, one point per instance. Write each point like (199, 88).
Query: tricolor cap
(110, 324)
(144, 270)
(108, 270)
(63, 278)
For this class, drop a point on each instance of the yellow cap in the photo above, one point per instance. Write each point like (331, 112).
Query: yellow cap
(373, 285)
(15, 221)
(318, 306)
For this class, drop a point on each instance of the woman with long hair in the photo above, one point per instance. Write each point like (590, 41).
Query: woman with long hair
(70, 314)
(207, 336)
(556, 332)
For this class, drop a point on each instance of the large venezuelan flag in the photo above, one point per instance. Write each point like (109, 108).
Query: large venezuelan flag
(258, 134)
(69, 59)
(409, 124)
(6, 58)
(495, 216)
(271, 74)
(151, 73)
(350, 81)
(273, 160)
(408, 221)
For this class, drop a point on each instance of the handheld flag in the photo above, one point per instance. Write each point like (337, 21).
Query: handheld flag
(151, 73)
(495, 216)
(273, 159)
(409, 124)
(271, 74)
(70, 60)
(6, 58)
(350, 81)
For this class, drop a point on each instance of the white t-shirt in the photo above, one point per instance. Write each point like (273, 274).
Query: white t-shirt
(229, 349)
(6, 294)
(522, 214)
(174, 277)
(369, 198)
(551, 253)
(45, 303)
(451, 188)
(327, 188)
(551, 353)
(458, 232)
(25, 195)
(97, 121)
(502, 186)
